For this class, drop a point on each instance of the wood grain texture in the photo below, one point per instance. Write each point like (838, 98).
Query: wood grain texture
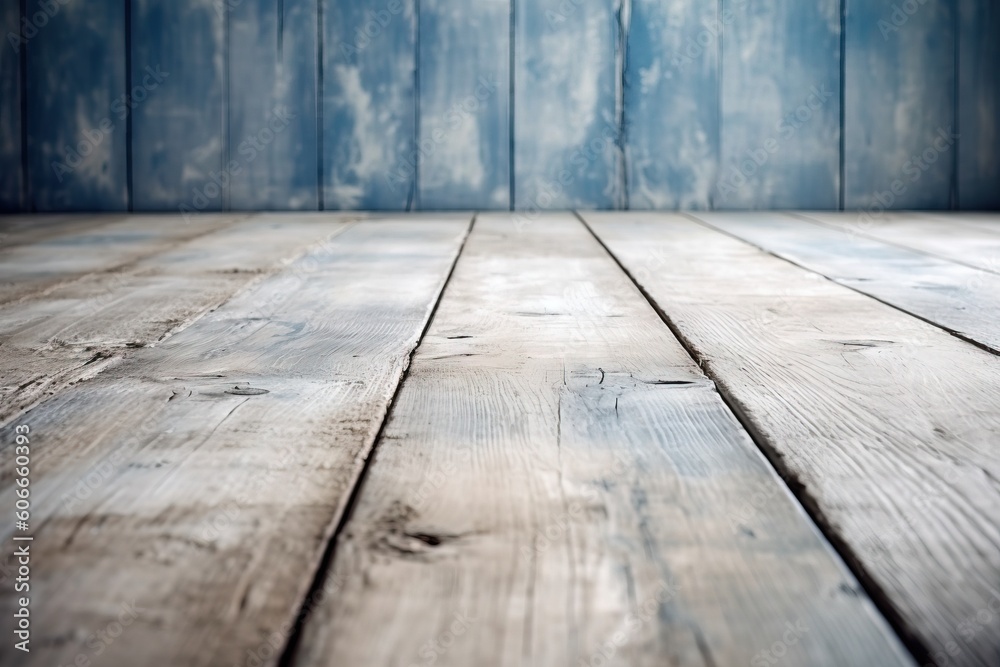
(369, 104)
(464, 64)
(899, 98)
(944, 237)
(30, 270)
(10, 107)
(672, 102)
(179, 153)
(886, 425)
(231, 493)
(989, 222)
(559, 484)
(567, 82)
(957, 298)
(78, 330)
(780, 134)
(76, 101)
(273, 132)
(978, 105)
(22, 229)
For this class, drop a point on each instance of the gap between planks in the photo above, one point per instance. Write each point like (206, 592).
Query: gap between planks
(398, 565)
(385, 304)
(288, 652)
(970, 319)
(849, 457)
(797, 488)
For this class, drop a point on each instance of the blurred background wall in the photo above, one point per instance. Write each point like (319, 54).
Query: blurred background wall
(494, 104)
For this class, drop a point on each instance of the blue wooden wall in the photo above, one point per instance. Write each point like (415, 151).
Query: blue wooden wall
(206, 105)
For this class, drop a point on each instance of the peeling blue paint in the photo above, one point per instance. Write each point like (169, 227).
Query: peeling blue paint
(780, 114)
(369, 104)
(272, 105)
(899, 95)
(179, 129)
(498, 104)
(672, 102)
(464, 96)
(566, 132)
(77, 124)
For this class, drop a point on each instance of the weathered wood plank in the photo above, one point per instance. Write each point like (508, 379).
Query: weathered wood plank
(10, 107)
(978, 105)
(369, 104)
(886, 424)
(76, 331)
(899, 104)
(957, 298)
(32, 227)
(272, 105)
(215, 501)
(464, 63)
(558, 477)
(566, 105)
(179, 156)
(943, 237)
(29, 270)
(989, 222)
(780, 135)
(77, 107)
(672, 102)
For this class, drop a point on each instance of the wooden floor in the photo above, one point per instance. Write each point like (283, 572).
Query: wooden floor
(633, 439)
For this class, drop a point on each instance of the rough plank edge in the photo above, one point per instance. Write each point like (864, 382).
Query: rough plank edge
(796, 488)
(957, 334)
(854, 231)
(306, 601)
(99, 363)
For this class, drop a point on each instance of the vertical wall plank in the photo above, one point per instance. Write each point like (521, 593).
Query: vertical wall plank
(672, 103)
(979, 105)
(272, 104)
(566, 125)
(178, 131)
(899, 104)
(76, 107)
(464, 133)
(780, 105)
(10, 107)
(369, 104)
